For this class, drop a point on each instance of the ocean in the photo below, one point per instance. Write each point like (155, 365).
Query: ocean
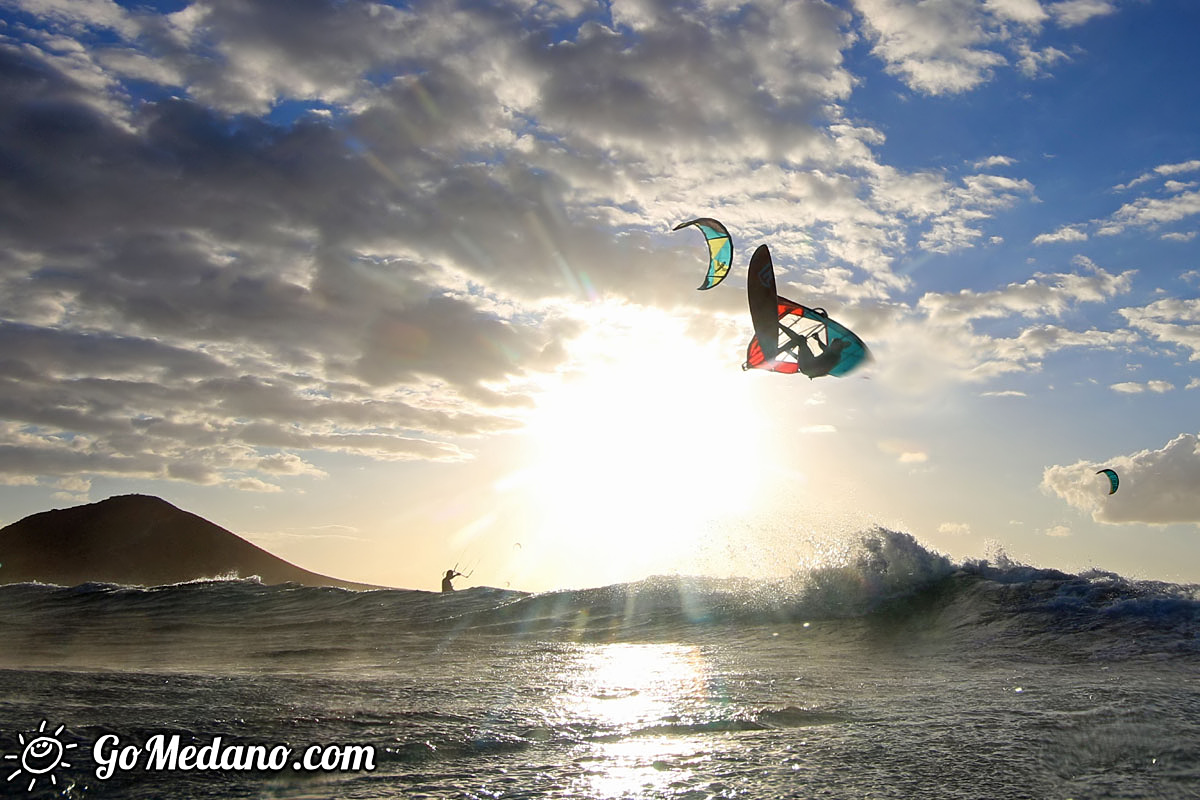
(894, 674)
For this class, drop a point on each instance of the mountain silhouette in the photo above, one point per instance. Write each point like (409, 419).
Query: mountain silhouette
(137, 540)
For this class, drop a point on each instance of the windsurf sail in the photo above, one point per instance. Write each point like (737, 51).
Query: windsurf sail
(720, 249)
(1113, 480)
(779, 354)
(779, 322)
(760, 292)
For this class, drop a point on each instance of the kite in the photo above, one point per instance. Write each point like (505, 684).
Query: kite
(720, 249)
(782, 326)
(1113, 480)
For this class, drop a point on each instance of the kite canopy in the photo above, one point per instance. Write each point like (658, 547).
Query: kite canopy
(720, 249)
(1113, 480)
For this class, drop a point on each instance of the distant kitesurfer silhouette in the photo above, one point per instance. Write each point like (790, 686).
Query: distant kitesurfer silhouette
(447, 580)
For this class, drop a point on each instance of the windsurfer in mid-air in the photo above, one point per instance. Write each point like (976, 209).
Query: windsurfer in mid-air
(814, 366)
(448, 580)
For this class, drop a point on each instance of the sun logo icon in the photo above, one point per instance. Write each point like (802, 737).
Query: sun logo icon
(41, 755)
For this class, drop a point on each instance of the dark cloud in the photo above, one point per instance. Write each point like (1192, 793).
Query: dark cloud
(321, 226)
(184, 288)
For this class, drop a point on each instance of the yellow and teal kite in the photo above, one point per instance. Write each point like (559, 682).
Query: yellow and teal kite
(720, 249)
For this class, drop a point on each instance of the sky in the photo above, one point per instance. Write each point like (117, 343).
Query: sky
(390, 288)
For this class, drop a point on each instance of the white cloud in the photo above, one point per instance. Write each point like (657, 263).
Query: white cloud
(1058, 530)
(954, 528)
(951, 46)
(935, 47)
(1133, 387)
(995, 161)
(1157, 486)
(1171, 321)
(389, 277)
(1041, 295)
(1067, 233)
(1151, 212)
(103, 14)
(1027, 12)
(1160, 171)
(1076, 12)
(938, 342)
(1033, 62)
(905, 452)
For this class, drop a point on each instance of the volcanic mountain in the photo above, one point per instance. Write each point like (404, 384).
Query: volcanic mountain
(137, 540)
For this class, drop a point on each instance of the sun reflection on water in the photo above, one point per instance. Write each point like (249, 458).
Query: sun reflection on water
(639, 701)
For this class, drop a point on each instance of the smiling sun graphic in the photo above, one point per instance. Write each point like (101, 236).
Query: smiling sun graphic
(42, 754)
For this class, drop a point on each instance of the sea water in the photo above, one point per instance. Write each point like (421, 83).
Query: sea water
(896, 674)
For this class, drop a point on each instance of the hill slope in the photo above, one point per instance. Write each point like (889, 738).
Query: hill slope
(140, 541)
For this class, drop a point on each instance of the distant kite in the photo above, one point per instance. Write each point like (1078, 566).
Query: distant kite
(1113, 480)
(720, 249)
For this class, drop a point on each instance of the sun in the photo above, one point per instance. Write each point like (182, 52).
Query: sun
(40, 756)
(648, 442)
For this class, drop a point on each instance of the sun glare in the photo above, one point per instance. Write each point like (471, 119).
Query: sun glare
(635, 691)
(647, 444)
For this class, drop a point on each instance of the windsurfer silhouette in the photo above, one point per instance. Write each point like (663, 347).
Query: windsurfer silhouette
(814, 366)
(447, 580)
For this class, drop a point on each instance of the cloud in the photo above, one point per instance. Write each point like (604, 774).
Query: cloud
(1044, 294)
(936, 48)
(1161, 171)
(1067, 233)
(1132, 387)
(905, 452)
(1157, 486)
(198, 286)
(1149, 212)
(1076, 12)
(954, 528)
(995, 161)
(240, 236)
(1170, 321)
(941, 340)
(951, 46)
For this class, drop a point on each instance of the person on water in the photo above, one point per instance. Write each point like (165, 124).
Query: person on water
(447, 580)
(814, 366)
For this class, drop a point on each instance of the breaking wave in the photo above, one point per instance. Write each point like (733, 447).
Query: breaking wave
(889, 585)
